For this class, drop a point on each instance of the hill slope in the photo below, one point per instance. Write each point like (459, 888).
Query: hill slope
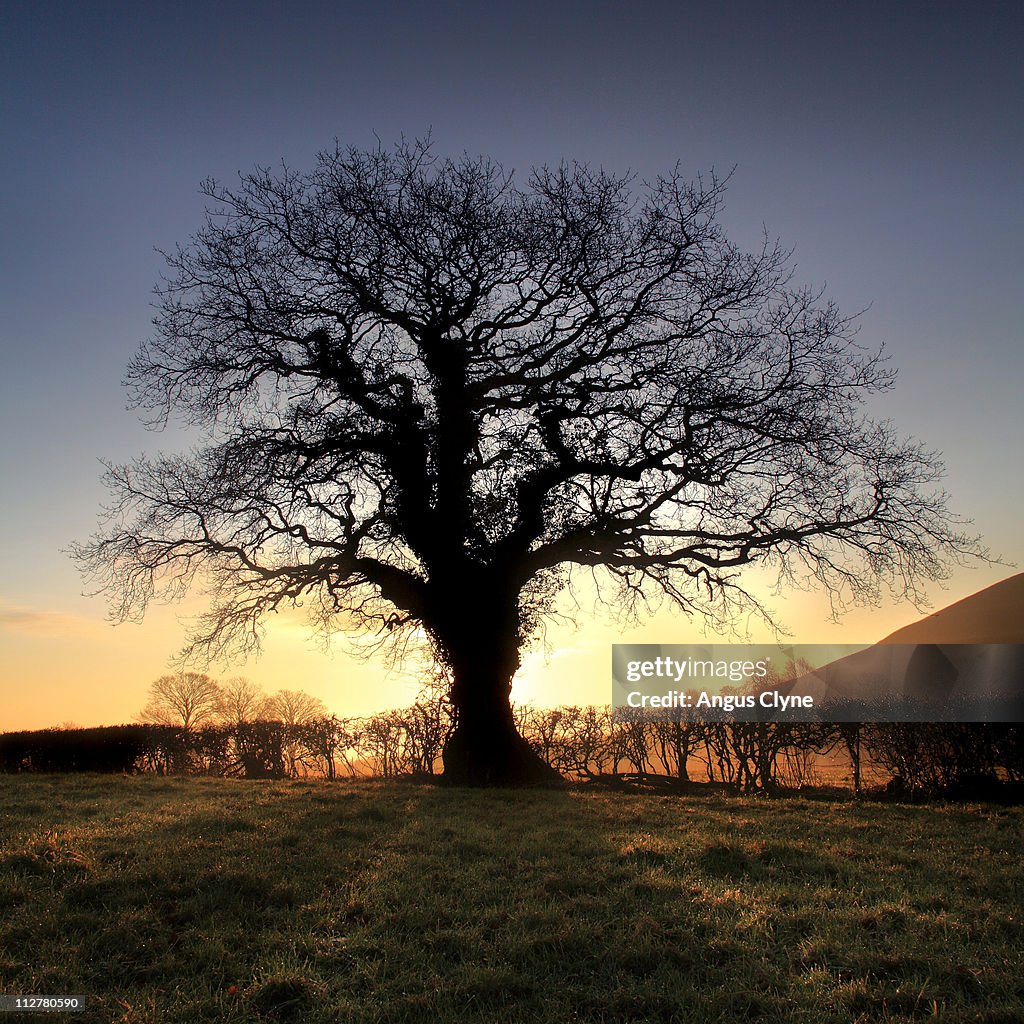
(994, 615)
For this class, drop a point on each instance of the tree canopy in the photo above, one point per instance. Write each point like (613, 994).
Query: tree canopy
(431, 392)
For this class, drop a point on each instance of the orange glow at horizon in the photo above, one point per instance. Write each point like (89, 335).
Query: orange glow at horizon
(70, 666)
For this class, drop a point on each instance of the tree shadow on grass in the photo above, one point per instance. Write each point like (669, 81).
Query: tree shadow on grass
(399, 902)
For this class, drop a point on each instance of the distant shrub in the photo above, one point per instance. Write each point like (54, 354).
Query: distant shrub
(957, 758)
(116, 748)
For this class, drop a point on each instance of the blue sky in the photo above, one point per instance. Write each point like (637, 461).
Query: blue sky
(882, 141)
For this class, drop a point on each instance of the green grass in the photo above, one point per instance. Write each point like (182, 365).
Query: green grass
(192, 899)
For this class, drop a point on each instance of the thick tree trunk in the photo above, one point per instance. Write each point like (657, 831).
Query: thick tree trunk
(475, 626)
(485, 749)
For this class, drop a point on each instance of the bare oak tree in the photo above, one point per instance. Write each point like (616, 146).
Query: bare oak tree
(295, 710)
(293, 707)
(432, 395)
(186, 699)
(241, 700)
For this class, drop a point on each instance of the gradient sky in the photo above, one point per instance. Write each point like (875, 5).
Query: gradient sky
(883, 141)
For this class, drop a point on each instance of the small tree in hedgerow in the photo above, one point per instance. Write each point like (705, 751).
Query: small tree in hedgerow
(431, 394)
(189, 700)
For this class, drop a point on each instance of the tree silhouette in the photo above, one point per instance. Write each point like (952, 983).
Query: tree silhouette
(432, 396)
(294, 709)
(186, 699)
(241, 700)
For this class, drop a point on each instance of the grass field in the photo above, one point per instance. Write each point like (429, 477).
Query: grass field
(203, 899)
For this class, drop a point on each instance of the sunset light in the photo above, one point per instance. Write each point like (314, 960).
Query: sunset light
(511, 513)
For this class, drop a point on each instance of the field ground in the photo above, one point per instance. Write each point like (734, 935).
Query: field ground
(184, 900)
